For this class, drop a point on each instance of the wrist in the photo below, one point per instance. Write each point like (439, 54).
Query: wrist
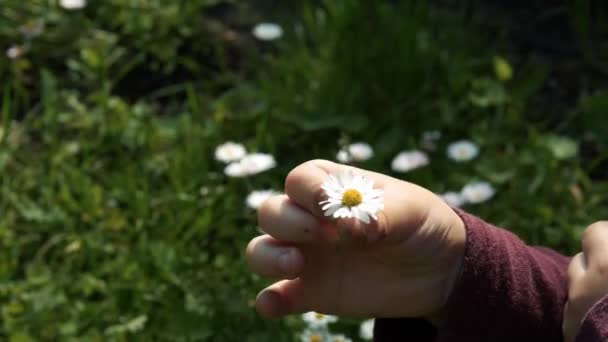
(456, 247)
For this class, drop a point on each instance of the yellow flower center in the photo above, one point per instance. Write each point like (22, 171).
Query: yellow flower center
(319, 316)
(315, 338)
(351, 198)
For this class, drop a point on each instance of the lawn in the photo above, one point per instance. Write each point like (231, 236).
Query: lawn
(121, 220)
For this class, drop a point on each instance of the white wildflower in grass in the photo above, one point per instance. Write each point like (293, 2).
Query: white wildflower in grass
(366, 330)
(73, 4)
(235, 170)
(313, 336)
(317, 320)
(477, 192)
(453, 199)
(14, 52)
(229, 152)
(360, 151)
(351, 196)
(343, 157)
(251, 164)
(338, 338)
(267, 31)
(257, 197)
(463, 150)
(409, 160)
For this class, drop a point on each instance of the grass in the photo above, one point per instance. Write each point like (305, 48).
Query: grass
(116, 223)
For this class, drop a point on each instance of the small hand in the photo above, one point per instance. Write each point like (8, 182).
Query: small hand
(402, 265)
(587, 278)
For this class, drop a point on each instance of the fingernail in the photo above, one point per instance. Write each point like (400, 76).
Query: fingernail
(286, 261)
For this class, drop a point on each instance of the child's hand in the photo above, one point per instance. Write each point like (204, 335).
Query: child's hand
(402, 265)
(587, 278)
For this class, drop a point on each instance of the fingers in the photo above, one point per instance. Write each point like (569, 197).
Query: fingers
(405, 205)
(282, 219)
(271, 258)
(281, 298)
(595, 246)
(303, 184)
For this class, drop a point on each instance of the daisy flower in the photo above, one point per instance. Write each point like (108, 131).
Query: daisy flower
(72, 4)
(14, 52)
(358, 151)
(343, 156)
(317, 320)
(409, 160)
(478, 192)
(251, 164)
(351, 196)
(339, 338)
(462, 150)
(267, 31)
(257, 197)
(229, 152)
(453, 199)
(313, 336)
(366, 330)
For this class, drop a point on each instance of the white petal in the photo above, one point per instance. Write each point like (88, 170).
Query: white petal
(363, 216)
(330, 211)
(329, 205)
(354, 212)
(342, 212)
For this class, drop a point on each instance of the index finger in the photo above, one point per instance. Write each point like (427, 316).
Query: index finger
(303, 184)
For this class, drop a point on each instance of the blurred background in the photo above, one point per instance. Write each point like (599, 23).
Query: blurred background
(124, 215)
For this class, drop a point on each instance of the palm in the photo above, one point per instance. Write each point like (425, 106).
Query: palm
(360, 279)
(396, 266)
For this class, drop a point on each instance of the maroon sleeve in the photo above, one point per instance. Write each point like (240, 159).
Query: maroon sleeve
(507, 291)
(595, 324)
